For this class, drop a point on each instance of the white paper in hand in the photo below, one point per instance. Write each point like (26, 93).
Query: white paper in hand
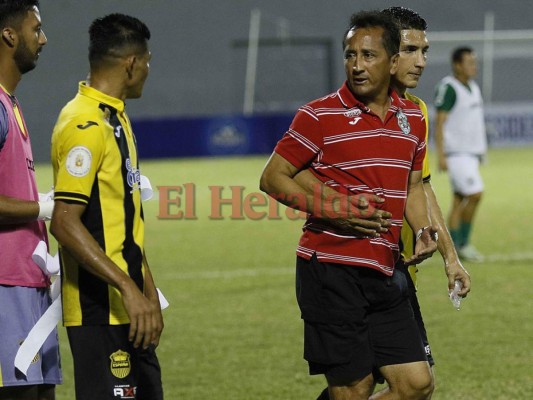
(48, 264)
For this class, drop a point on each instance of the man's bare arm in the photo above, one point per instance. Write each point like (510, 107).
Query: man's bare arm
(17, 211)
(277, 180)
(301, 190)
(72, 235)
(362, 217)
(452, 264)
(417, 215)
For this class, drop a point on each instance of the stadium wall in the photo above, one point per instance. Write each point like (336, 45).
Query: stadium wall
(196, 73)
(229, 135)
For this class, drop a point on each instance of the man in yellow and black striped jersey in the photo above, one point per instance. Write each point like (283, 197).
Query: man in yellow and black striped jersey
(110, 303)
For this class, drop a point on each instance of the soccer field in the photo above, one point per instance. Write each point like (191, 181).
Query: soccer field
(233, 329)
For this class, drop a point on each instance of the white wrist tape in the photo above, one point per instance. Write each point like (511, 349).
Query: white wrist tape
(46, 208)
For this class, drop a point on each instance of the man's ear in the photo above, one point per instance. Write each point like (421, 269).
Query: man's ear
(9, 36)
(130, 64)
(394, 63)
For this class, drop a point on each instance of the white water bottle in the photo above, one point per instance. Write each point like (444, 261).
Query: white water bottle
(454, 296)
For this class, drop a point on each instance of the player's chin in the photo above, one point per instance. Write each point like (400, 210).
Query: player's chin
(412, 82)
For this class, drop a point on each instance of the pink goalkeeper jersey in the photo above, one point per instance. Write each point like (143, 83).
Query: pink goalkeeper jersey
(17, 179)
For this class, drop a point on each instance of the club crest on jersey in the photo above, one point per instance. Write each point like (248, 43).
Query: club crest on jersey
(355, 114)
(403, 123)
(78, 161)
(120, 364)
(134, 175)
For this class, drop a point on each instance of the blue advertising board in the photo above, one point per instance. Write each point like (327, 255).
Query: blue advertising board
(507, 125)
(209, 136)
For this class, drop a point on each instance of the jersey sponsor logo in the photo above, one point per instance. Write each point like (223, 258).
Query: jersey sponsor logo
(120, 364)
(403, 123)
(78, 161)
(134, 175)
(117, 130)
(30, 164)
(355, 114)
(124, 391)
(87, 125)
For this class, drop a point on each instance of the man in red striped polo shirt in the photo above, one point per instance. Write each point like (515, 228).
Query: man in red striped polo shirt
(362, 139)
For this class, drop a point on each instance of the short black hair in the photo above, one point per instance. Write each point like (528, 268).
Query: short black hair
(114, 34)
(407, 18)
(373, 19)
(459, 52)
(13, 11)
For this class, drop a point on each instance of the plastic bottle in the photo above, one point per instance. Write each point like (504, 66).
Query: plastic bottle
(454, 297)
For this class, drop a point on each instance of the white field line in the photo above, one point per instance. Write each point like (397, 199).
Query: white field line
(237, 273)
(290, 269)
(523, 256)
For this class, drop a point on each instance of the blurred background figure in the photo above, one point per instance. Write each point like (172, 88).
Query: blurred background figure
(461, 144)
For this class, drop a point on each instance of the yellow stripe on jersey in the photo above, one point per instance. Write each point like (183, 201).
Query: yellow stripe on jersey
(407, 236)
(20, 120)
(94, 159)
(18, 115)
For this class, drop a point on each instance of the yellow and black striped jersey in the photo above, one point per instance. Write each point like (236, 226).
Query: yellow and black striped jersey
(407, 236)
(94, 158)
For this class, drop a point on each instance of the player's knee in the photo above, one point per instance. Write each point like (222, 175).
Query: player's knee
(419, 387)
(476, 197)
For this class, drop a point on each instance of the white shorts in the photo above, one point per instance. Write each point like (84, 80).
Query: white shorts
(20, 309)
(463, 170)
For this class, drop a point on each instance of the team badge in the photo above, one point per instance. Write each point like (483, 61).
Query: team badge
(120, 364)
(355, 114)
(403, 123)
(78, 161)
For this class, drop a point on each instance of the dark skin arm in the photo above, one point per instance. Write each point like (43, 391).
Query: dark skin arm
(150, 291)
(16, 211)
(143, 310)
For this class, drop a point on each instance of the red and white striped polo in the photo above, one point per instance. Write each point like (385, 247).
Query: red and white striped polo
(351, 149)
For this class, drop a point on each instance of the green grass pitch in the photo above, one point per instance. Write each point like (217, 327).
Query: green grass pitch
(233, 329)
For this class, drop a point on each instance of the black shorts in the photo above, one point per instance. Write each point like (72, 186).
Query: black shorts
(355, 319)
(107, 366)
(416, 310)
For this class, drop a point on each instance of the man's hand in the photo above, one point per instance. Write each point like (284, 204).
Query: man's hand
(426, 245)
(456, 271)
(146, 321)
(356, 214)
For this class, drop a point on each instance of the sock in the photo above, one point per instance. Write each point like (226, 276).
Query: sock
(465, 229)
(456, 237)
